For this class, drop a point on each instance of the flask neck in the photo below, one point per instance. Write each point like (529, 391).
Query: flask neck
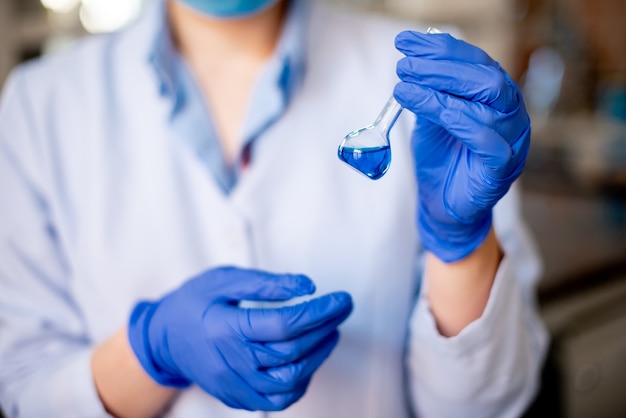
(388, 115)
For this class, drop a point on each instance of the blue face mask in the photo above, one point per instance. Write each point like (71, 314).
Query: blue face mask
(229, 9)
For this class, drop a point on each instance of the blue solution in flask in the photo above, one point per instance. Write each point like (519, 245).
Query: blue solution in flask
(367, 149)
(373, 162)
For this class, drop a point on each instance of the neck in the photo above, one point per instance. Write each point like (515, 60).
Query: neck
(200, 37)
(226, 57)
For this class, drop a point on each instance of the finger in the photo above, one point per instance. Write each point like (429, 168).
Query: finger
(291, 376)
(512, 126)
(441, 47)
(266, 325)
(235, 284)
(471, 123)
(276, 354)
(474, 82)
(281, 401)
(237, 393)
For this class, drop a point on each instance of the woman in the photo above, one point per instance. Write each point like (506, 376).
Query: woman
(138, 165)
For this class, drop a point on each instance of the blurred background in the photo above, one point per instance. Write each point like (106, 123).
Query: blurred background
(569, 56)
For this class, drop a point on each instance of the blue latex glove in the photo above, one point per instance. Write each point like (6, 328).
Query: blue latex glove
(254, 359)
(471, 139)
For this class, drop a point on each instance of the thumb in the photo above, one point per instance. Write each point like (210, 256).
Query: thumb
(235, 284)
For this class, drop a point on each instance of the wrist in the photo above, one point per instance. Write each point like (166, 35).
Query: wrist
(147, 344)
(458, 292)
(452, 241)
(123, 386)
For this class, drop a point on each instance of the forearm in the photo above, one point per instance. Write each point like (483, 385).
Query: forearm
(458, 292)
(125, 389)
(491, 368)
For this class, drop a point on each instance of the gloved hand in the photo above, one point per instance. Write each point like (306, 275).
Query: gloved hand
(471, 139)
(254, 359)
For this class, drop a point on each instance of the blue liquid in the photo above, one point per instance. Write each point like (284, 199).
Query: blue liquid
(373, 162)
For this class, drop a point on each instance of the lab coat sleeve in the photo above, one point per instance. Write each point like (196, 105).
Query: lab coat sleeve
(45, 350)
(492, 367)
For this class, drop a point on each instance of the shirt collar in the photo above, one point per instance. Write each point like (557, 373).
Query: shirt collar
(291, 48)
(289, 54)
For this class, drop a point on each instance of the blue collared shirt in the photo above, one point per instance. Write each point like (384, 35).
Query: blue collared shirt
(191, 116)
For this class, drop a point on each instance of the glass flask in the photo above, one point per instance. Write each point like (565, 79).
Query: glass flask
(367, 150)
